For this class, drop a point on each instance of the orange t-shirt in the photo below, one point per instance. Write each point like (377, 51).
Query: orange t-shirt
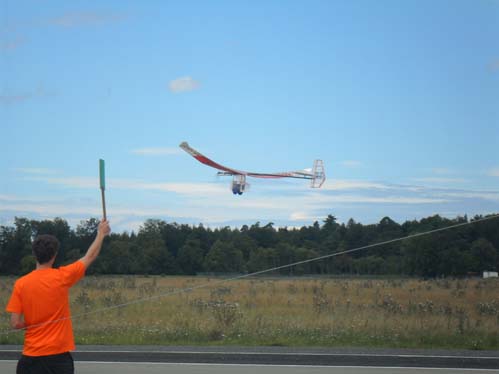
(42, 296)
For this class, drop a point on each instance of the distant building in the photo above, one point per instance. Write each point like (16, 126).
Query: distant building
(490, 274)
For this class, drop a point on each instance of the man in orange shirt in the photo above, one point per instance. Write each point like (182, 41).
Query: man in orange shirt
(40, 305)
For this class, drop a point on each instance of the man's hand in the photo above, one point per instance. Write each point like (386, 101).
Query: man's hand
(94, 250)
(104, 229)
(17, 321)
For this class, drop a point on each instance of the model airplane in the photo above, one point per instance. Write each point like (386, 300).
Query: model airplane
(239, 184)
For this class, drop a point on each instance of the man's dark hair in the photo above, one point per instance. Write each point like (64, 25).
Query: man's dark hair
(45, 247)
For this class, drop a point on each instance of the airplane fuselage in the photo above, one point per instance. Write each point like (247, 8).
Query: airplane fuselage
(238, 184)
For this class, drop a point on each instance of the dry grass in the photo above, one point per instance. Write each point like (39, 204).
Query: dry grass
(326, 312)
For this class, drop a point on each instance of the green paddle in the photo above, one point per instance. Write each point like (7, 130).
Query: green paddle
(102, 175)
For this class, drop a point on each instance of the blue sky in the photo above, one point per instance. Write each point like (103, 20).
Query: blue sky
(399, 98)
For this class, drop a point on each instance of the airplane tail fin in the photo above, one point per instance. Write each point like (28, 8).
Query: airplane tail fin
(318, 174)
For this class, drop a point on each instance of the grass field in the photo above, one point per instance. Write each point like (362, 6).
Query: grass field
(296, 312)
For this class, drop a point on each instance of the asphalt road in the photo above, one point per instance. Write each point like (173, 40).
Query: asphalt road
(161, 368)
(267, 360)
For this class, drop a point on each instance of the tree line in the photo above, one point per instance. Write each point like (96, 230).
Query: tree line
(160, 247)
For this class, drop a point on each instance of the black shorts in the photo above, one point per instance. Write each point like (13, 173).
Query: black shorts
(53, 364)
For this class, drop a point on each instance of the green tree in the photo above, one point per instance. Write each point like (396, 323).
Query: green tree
(265, 236)
(420, 257)
(369, 265)
(190, 257)
(16, 244)
(153, 256)
(485, 255)
(263, 259)
(7, 235)
(174, 235)
(85, 234)
(120, 256)
(28, 264)
(331, 235)
(224, 257)
(245, 244)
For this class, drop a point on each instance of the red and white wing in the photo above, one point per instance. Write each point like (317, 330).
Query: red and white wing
(205, 160)
(302, 174)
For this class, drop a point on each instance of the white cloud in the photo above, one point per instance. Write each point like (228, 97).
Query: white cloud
(439, 180)
(441, 171)
(262, 203)
(74, 182)
(183, 84)
(351, 163)
(68, 206)
(383, 199)
(122, 217)
(338, 184)
(483, 195)
(156, 151)
(179, 188)
(130, 184)
(13, 99)
(206, 203)
(45, 208)
(204, 190)
(19, 98)
(9, 198)
(36, 171)
(86, 18)
(493, 172)
(10, 44)
(302, 216)
(15, 198)
(214, 204)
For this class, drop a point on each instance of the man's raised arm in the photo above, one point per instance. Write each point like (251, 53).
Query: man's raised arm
(94, 249)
